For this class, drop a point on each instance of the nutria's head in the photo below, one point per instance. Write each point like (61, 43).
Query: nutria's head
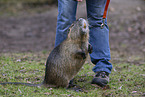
(79, 30)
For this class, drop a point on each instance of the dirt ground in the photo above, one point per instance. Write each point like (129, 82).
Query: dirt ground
(34, 32)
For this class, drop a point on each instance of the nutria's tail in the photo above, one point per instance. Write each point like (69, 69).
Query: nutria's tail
(19, 83)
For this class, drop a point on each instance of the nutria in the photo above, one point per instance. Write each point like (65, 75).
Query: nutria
(66, 59)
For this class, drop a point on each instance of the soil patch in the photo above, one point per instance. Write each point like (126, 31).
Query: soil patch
(33, 32)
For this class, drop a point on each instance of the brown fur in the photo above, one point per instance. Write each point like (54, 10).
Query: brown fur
(65, 61)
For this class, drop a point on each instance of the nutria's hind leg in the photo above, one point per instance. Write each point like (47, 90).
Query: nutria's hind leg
(74, 87)
(71, 84)
(71, 81)
(62, 82)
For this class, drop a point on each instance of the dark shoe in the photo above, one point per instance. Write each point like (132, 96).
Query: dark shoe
(101, 79)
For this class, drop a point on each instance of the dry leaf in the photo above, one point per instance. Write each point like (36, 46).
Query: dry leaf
(47, 93)
(120, 87)
(19, 90)
(134, 91)
(106, 87)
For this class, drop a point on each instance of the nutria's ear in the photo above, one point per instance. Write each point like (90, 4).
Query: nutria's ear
(68, 30)
(72, 25)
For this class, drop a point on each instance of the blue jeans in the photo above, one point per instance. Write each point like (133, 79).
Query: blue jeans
(99, 38)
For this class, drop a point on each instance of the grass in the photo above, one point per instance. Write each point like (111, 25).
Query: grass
(126, 79)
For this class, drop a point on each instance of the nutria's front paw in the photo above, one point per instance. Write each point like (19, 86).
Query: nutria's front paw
(81, 54)
(90, 48)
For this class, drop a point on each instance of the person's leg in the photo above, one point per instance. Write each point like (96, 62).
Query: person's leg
(66, 16)
(99, 38)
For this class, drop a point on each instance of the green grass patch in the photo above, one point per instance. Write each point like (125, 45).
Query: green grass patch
(126, 79)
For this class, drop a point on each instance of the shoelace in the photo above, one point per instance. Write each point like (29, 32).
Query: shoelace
(102, 74)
